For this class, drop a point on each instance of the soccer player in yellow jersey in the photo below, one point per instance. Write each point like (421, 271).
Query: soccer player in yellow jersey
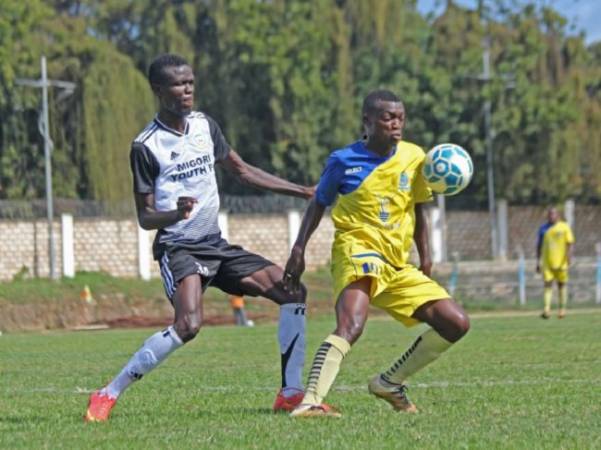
(378, 192)
(553, 254)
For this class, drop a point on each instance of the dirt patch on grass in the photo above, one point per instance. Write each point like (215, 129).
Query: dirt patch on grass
(70, 313)
(117, 311)
(148, 322)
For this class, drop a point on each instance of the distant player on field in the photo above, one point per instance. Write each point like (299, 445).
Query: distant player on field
(173, 163)
(553, 255)
(377, 215)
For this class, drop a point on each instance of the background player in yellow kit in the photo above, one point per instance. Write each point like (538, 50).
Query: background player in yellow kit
(377, 215)
(553, 255)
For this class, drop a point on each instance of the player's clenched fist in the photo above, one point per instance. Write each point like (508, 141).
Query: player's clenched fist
(184, 206)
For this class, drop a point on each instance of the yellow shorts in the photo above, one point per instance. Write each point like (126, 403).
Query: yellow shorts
(559, 275)
(399, 292)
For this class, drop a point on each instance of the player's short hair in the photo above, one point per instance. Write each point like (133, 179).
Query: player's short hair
(156, 74)
(381, 95)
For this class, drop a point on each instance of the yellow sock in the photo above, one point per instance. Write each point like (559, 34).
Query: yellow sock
(426, 348)
(548, 295)
(563, 298)
(325, 368)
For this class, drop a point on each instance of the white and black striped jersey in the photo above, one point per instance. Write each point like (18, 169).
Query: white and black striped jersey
(170, 164)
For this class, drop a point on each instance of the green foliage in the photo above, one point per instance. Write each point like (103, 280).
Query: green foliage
(285, 79)
(116, 104)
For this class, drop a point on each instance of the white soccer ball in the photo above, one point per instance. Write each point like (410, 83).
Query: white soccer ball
(448, 169)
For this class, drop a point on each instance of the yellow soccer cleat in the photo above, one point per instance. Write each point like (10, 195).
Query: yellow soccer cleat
(395, 394)
(322, 410)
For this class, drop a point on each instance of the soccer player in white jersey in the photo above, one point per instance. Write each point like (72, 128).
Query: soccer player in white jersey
(173, 164)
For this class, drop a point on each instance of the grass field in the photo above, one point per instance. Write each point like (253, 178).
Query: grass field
(514, 382)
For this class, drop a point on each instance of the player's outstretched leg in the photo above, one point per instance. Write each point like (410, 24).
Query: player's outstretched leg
(449, 324)
(267, 283)
(188, 318)
(351, 315)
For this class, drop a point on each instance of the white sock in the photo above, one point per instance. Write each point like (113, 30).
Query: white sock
(291, 335)
(155, 349)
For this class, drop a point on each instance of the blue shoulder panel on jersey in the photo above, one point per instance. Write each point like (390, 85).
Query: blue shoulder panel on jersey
(541, 233)
(345, 171)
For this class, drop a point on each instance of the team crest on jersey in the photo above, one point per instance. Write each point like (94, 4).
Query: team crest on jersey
(384, 213)
(199, 142)
(174, 156)
(404, 183)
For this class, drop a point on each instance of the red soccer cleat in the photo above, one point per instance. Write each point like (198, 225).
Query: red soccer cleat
(99, 407)
(287, 404)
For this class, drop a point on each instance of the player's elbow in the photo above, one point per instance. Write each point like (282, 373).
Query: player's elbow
(144, 221)
(144, 224)
(243, 173)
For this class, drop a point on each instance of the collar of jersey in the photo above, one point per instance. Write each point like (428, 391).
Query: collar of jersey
(169, 129)
(375, 155)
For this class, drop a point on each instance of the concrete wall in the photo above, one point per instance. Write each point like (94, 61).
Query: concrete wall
(111, 245)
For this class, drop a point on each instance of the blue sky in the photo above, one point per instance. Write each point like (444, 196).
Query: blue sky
(583, 14)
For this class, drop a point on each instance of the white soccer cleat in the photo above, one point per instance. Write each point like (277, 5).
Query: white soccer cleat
(395, 394)
(308, 410)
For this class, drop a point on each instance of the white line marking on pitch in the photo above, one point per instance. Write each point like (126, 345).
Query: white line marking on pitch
(346, 388)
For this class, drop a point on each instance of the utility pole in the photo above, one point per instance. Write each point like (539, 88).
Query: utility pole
(44, 83)
(485, 78)
(490, 167)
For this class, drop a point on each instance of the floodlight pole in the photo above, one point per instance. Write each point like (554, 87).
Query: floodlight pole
(43, 83)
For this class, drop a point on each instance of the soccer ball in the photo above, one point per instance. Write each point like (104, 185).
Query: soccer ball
(448, 169)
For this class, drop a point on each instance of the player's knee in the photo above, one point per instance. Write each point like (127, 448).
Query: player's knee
(298, 296)
(302, 294)
(351, 331)
(188, 326)
(460, 325)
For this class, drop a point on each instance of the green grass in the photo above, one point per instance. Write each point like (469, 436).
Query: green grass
(514, 382)
(33, 290)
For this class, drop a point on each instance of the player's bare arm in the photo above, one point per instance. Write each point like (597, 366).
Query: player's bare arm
(296, 262)
(151, 219)
(255, 177)
(420, 236)
(539, 246)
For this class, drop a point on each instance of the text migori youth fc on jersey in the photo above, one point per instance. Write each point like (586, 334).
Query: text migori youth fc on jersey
(170, 164)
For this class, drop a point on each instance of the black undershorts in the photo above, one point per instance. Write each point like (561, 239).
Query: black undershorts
(218, 263)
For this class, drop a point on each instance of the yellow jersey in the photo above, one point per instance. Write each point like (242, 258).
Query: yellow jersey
(555, 241)
(374, 214)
